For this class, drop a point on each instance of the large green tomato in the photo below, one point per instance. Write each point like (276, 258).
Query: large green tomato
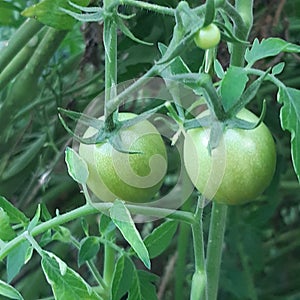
(239, 169)
(132, 177)
(208, 37)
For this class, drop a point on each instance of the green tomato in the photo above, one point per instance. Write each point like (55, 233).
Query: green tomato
(239, 169)
(208, 37)
(132, 177)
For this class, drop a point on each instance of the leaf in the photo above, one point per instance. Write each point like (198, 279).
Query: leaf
(24, 159)
(89, 247)
(290, 120)
(122, 277)
(143, 287)
(160, 238)
(16, 259)
(106, 225)
(57, 18)
(122, 219)
(66, 284)
(277, 69)
(269, 47)
(209, 12)
(15, 215)
(77, 167)
(6, 231)
(9, 291)
(35, 219)
(219, 69)
(232, 86)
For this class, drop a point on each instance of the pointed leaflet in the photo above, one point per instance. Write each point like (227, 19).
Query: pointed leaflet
(160, 238)
(89, 247)
(77, 167)
(290, 120)
(122, 277)
(269, 47)
(15, 215)
(143, 287)
(57, 18)
(66, 284)
(122, 219)
(232, 86)
(9, 291)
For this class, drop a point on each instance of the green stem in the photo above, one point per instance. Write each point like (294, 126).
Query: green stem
(243, 11)
(109, 261)
(88, 210)
(148, 6)
(214, 248)
(199, 277)
(29, 28)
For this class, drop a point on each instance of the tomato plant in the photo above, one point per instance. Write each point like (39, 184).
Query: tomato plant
(246, 163)
(134, 175)
(208, 37)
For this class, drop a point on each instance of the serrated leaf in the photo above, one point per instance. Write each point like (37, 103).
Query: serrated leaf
(57, 18)
(16, 259)
(269, 47)
(160, 238)
(9, 291)
(232, 86)
(290, 120)
(77, 167)
(143, 287)
(66, 284)
(89, 247)
(122, 219)
(15, 215)
(122, 277)
(6, 231)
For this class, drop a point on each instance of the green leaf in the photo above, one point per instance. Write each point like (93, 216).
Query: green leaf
(16, 259)
(277, 69)
(35, 219)
(9, 291)
(143, 287)
(219, 69)
(160, 238)
(122, 277)
(89, 247)
(77, 167)
(57, 18)
(15, 215)
(25, 158)
(122, 219)
(106, 225)
(66, 284)
(232, 86)
(209, 12)
(269, 47)
(290, 120)
(6, 231)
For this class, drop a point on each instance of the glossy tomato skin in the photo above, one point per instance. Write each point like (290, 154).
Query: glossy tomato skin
(239, 169)
(208, 37)
(130, 177)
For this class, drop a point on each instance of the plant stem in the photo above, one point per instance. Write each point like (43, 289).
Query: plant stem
(88, 210)
(214, 248)
(199, 277)
(148, 6)
(29, 28)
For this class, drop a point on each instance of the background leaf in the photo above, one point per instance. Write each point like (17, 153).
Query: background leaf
(9, 291)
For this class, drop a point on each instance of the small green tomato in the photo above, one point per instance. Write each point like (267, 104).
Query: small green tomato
(208, 37)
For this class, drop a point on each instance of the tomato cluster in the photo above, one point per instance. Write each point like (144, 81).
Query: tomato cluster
(237, 171)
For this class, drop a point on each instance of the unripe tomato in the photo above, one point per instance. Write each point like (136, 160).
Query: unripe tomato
(239, 169)
(208, 37)
(132, 177)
